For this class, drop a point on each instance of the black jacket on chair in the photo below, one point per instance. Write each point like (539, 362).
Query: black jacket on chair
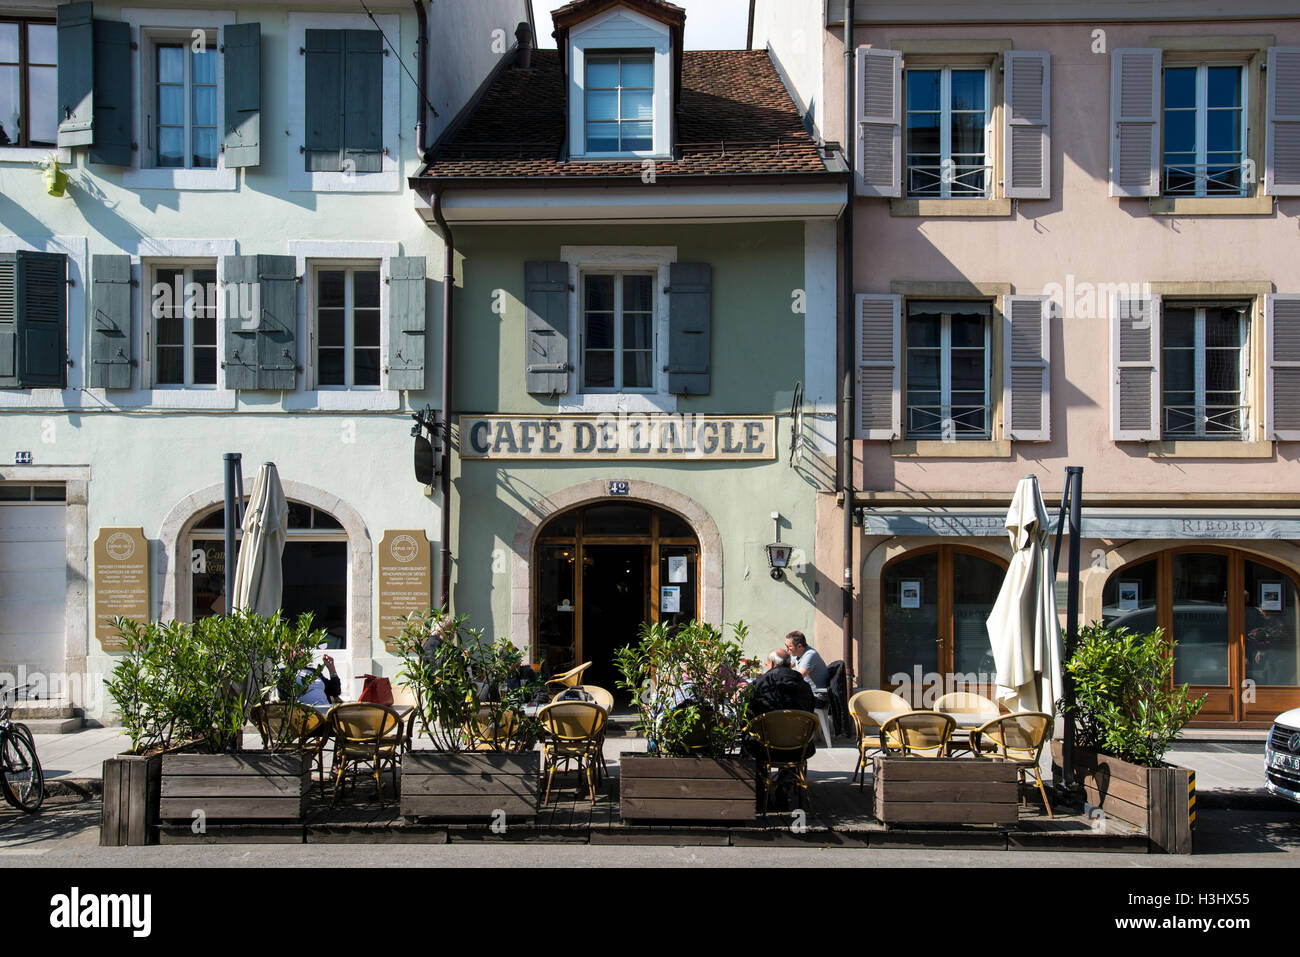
(837, 681)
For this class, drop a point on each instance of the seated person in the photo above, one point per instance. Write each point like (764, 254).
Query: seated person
(321, 691)
(808, 663)
(780, 688)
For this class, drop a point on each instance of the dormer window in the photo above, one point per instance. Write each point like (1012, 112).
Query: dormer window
(620, 103)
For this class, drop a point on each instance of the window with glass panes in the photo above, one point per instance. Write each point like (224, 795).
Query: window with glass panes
(347, 326)
(28, 83)
(184, 313)
(620, 103)
(618, 332)
(1203, 350)
(185, 105)
(947, 133)
(947, 372)
(1204, 130)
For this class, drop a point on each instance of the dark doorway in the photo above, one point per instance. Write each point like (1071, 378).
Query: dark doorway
(615, 601)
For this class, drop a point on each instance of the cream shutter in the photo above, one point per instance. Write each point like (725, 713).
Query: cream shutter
(1282, 156)
(878, 392)
(1135, 122)
(1135, 368)
(1282, 347)
(1026, 373)
(1026, 109)
(880, 123)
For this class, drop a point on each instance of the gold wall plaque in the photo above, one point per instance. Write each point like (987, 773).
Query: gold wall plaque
(405, 580)
(121, 580)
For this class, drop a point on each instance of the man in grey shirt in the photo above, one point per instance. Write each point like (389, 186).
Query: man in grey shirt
(806, 661)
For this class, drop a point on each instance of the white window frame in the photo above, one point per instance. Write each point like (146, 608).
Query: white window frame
(945, 374)
(656, 260)
(150, 270)
(1198, 353)
(618, 347)
(148, 27)
(389, 178)
(350, 267)
(1202, 126)
(945, 131)
(31, 154)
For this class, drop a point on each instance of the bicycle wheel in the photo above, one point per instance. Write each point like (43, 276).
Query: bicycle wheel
(21, 777)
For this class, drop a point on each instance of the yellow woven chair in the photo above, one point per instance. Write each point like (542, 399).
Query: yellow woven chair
(597, 695)
(492, 728)
(567, 680)
(366, 735)
(969, 710)
(868, 728)
(1018, 738)
(572, 732)
(924, 733)
(783, 738)
(300, 727)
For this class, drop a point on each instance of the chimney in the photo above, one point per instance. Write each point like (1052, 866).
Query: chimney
(524, 55)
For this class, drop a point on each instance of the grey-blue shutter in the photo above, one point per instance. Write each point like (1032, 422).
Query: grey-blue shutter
(110, 322)
(546, 324)
(240, 363)
(242, 59)
(277, 355)
(363, 101)
(112, 136)
(42, 304)
(690, 291)
(8, 320)
(324, 120)
(76, 81)
(406, 322)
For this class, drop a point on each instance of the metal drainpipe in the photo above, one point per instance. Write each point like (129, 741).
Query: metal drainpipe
(847, 349)
(422, 79)
(448, 282)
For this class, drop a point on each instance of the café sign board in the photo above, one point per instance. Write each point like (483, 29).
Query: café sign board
(1096, 524)
(121, 580)
(405, 580)
(623, 437)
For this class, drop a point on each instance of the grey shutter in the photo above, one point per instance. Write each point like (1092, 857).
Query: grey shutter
(76, 80)
(8, 320)
(880, 123)
(242, 61)
(41, 295)
(240, 363)
(1282, 339)
(277, 349)
(877, 392)
(1135, 85)
(406, 322)
(690, 335)
(110, 322)
(1026, 92)
(546, 327)
(363, 101)
(1282, 158)
(324, 108)
(1135, 368)
(112, 142)
(1026, 374)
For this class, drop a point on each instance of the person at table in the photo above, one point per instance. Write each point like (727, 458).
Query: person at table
(807, 661)
(322, 691)
(780, 688)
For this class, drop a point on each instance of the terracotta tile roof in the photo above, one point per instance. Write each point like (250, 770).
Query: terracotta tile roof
(736, 118)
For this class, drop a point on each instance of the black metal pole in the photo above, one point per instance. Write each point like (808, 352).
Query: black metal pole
(849, 332)
(1074, 492)
(232, 462)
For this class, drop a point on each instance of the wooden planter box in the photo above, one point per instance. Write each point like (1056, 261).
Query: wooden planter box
(132, 785)
(475, 786)
(1161, 801)
(687, 789)
(946, 791)
(250, 786)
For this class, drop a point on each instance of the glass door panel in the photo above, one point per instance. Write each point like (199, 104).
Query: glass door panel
(975, 582)
(557, 607)
(1200, 618)
(677, 583)
(1271, 628)
(911, 617)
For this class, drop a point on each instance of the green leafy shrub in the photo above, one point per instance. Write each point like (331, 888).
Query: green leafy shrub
(688, 687)
(1126, 704)
(459, 674)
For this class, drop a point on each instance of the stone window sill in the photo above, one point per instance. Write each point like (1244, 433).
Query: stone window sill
(1209, 449)
(1211, 205)
(961, 449)
(950, 207)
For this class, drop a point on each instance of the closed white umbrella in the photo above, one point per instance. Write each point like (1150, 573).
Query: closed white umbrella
(259, 576)
(1024, 630)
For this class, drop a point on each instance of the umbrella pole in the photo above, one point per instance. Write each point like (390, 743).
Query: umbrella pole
(232, 461)
(1074, 496)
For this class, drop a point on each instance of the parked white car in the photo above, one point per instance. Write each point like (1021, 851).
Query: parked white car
(1282, 756)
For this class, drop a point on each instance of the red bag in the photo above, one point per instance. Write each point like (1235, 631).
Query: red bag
(376, 690)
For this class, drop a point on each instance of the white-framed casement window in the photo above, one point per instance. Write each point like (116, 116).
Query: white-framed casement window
(947, 370)
(1204, 353)
(345, 316)
(948, 132)
(28, 94)
(181, 334)
(618, 336)
(620, 102)
(1205, 120)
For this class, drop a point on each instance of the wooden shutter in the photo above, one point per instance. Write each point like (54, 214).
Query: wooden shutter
(112, 68)
(546, 327)
(1135, 85)
(690, 334)
(40, 321)
(880, 123)
(241, 51)
(1026, 371)
(110, 322)
(76, 80)
(363, 101)
(1282, 158)
(240, 363)
(878, 393)
(1026, 109)
(277, 352)
(324, 107)
(1135, 367)
(8, 320)
(406, 322)
(1282, 345)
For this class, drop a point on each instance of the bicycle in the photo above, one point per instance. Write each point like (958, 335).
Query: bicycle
(21, 777)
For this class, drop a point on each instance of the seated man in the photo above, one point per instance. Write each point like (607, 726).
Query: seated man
(780, 688)
(808, 663)
(322, 691)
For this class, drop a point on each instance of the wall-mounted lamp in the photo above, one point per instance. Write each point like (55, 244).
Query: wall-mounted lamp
(778, 558)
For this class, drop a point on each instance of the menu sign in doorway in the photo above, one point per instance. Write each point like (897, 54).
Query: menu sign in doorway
(405, 580)
(121, 581)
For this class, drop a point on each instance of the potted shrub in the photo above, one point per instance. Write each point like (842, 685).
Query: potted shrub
(692, 700)
(184, 693)
(457, 678)
(1127, 712)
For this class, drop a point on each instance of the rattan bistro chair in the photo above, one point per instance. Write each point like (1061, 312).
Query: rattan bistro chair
(569, 679)
(572, 732)
(783, 738)
(492, 728)
(1018, 738)
(300, 727)
(969, 710)
(366, 735)
(597, 695)
(861, 705)
(924, 733)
